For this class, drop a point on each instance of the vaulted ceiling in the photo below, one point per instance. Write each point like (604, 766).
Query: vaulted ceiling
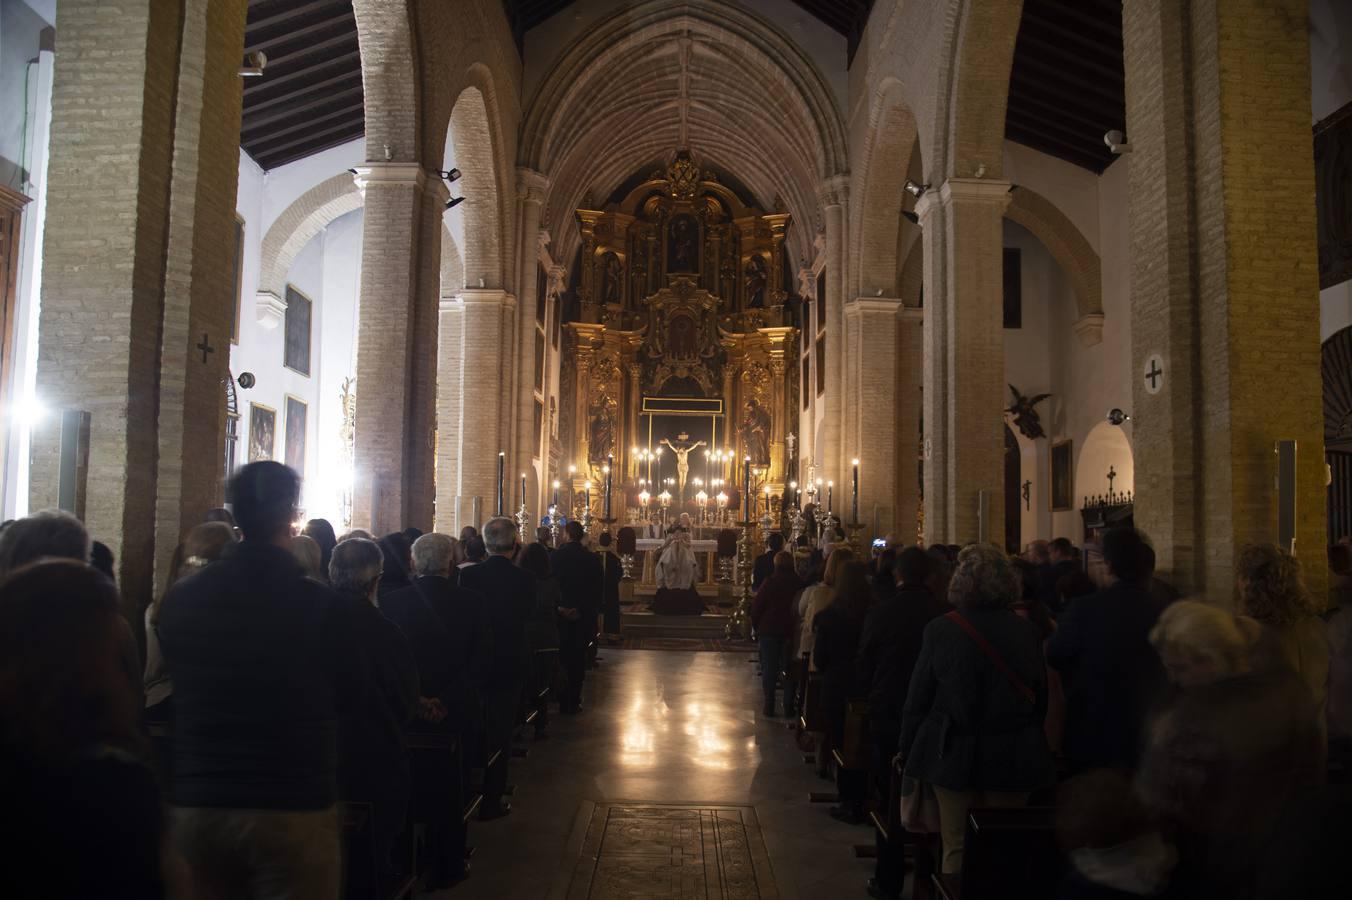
(1066, 87)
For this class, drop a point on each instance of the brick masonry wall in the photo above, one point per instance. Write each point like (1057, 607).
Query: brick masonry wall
(113, 101)
(200, 272)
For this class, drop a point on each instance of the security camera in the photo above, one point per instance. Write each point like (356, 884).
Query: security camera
(246, 380)
(1117, 417)
(254, 64)
(1117, 142)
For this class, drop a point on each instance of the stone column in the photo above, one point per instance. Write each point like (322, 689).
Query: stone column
(531, 188)
(396, 347)
(488, 338)
(145, 97)
(876, 440)
(831, 458)
(964, 358)
(910, 375)
(450, 414)
(1225, 293)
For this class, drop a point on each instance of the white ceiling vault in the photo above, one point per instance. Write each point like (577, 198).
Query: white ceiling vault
(719, 80)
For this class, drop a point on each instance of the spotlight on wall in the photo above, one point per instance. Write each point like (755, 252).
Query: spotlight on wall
(254, 64)
(453, 175)
(454, 202)
(1117, 417)
(246, 380)
(1117, 142)
(916, 190)
(910, 217)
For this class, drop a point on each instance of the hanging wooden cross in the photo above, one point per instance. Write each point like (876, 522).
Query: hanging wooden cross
(1111, 475)
(1028, 495)
(205, 347)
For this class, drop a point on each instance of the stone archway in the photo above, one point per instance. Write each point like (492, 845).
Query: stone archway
(1071, 250)
(972, 121)
(888, 156)
(477, 222)
(310, 214)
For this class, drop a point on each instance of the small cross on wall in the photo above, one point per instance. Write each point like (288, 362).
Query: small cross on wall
(205, 347)
(1028, 494)
(1112, 474)
(1154, 374)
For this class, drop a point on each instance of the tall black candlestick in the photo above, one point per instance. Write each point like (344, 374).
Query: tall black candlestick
(746, 488)
(854, 497)
(610, 470)
(502, 463)
(523, 488)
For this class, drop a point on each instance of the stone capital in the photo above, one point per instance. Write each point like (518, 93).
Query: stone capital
(390, 173)
(270, 310)
(1089, 329)
(834, 190)
(531, 186)
(974, 190)
(888, 306)
(487, 296)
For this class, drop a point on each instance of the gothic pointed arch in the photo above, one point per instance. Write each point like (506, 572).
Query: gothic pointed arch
(1069, 247)
(890, 150)
(478, 222)
(974, 87)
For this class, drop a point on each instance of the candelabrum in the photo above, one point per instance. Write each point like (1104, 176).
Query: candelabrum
(586, 519)
(767, 522)
(852, 533)
(797, 525)
(627, 566)
(523, 523)
(725, 564)
(829, 526)
(555, 525)
(739, 623)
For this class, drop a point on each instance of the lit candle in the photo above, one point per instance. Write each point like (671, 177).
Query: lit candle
(854, 495)
(502, 465)
(793, 493)
(556, 493)
(523, 488)
(586, 495)
(830, 489)
(767, 499)
(610, 466)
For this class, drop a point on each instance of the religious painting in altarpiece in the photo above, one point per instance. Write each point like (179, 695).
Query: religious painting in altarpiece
(682, 296)
(297, 412)
(1063, 485)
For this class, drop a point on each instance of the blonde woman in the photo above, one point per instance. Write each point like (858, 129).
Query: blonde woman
(203, 546)
(817, 597)
(1269, 587)
(1237, 741)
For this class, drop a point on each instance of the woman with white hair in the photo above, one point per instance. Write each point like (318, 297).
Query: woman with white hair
(1239, 739)
(972, 725)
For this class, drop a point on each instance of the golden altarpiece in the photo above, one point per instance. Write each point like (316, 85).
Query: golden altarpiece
(683, 343)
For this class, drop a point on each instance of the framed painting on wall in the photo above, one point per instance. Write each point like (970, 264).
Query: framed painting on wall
(262, 431)
(1063, 483)
(296, 413)
(296, 353)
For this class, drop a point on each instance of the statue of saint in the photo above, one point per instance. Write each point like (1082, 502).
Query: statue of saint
(755, 432)
(756, 280)
(682, 462)
(601, 433)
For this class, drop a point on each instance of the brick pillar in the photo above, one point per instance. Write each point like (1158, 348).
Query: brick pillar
(910, 374)
(964, 358)
(1224, 284)
(396, 347)
(121, 192)
(874, 437)
(488, 338)
(531, 187)
(198, 302)
(450, 414)
(831, 464)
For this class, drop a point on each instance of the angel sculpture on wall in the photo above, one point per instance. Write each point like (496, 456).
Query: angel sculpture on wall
(1025, 416)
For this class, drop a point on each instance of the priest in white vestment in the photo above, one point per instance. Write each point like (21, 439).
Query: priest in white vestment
(677, 573)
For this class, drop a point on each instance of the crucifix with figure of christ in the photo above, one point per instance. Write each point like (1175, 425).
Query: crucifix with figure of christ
(682, 462)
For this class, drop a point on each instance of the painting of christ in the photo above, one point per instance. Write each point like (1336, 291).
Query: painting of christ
(683, 245)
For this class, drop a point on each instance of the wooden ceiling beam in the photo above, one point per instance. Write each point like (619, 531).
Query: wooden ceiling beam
(347, 22)
(301, 110)
(273, 147)
(349, 62)
(349, 113)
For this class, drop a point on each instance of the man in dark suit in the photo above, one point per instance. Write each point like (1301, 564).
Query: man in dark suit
(580, 579)
(451, 641)
(509, 596)
(1112, 675)
(1061, 561)
(765, 563)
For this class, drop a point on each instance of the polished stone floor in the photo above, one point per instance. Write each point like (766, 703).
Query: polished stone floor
(663, 727)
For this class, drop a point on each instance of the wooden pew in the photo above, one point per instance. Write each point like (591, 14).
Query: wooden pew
(1009, 854)
(894, 839)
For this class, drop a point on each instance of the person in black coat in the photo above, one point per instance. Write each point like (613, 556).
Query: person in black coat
(373, 757)
(972, 726)
(888, 649)
(396, 549)
(449, 635)
(838, 628)
(580, 578)
(1061, 561)
(1112, 676)
(264, 661)
(509, 599)
(613, 573)
(764, 566)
